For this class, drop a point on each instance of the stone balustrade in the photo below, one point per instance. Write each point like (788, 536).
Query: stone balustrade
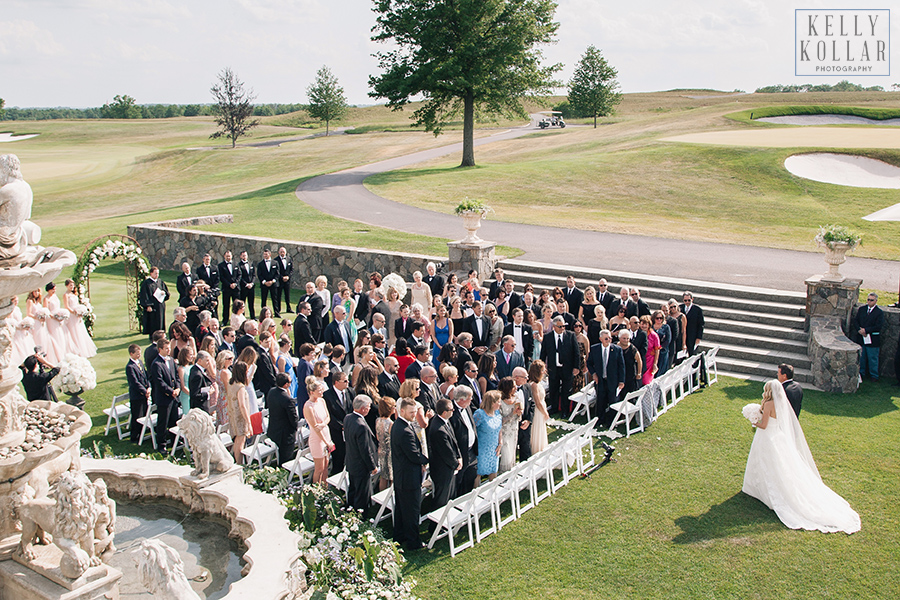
(834, 358)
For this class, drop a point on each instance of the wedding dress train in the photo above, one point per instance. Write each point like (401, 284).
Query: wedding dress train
(781, 474)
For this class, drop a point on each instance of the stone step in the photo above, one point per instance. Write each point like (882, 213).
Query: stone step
(743, 316)
(767, 342)
(760, 329)
(590, 276)
(748, 369)
(761, 355)
(807, 385)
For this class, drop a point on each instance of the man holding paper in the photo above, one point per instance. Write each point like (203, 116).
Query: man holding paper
(152, 298)
(870, 320)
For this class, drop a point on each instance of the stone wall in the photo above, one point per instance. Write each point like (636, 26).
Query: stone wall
(830, 298)
(167, 245)
(834, 358)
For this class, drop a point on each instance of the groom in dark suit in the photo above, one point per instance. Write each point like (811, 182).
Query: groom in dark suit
(607, 365)
(792, 389)
(408, 463)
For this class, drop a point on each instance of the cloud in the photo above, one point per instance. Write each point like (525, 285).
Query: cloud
(279, 11)
(23, 37)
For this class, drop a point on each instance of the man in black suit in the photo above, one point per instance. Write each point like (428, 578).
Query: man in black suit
(636, 307)
(362, 458)
(434, 281)
(338, 333)
(568, 317)
(522, 334)
(388, 381)
(150, 353)
(283, 418)
(792, 389)
(694, 330)
(513, 298)
(228, 338)
(469, 378)
(869, 321)
(606, 364)
(464, 350)
(316, 304)
(559, 351)
(528, 303)
(303, 333)
(231, 284)
(604, 296)
(380, 307)
(572, 295)
(507, 358)
(199, 381)
(408, 462)
(497, 284)
(339, 401)
(285, 270)
(520, 378)
(463, 425)
(480, 327)
(138, 390)
(184, 281)
(247, 279)
(443, 453)
(429, 392)
(619, 302)
(267, 273)
(165, 390)
(153, 303)
(417, 337)
(208, 274)
(414, 369)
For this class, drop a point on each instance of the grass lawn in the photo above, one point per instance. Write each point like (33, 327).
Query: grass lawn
(667, 519)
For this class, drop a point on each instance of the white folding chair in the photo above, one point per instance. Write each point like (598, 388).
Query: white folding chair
(694, 372)
(484, 505)
(626, 411)
(712, 369)
(262, 451)
(340, 481)
(300, 466)
(222, 432)
(540, 469)
(118, 412)
(385, 501)
(180, 440)
(450, 519)
(148, 422)
(506, 492)
(523, 481)
(668, 385)
(583, 400)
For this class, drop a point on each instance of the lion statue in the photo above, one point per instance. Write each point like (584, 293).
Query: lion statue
(206, 447)
(161, 571)
(69, 514)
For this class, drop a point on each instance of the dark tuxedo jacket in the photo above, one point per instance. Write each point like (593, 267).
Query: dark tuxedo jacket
(472, 385)
(638, 309)
(495, 288)
(334, 337)
(569, 319)
(264, 378)
(138, 383)
(362, 306)
(436, 284)
(429, 395)
(568, 351)
(155, 320)
(270, 274)
(535, 310)
(162, 381)
(247, 275)
(198, 386)
(210, 275)
(574, 298)
(383, 308)
(283, 417)
(285, 269)
(226, 278)
(515, 301)
(316, 304)
(183, 284)
(505, 369)
(444, 456)
(401, 331)
(361, 457)
(303, 370)
(695, 323)
(485, 338)
(527, 338)
(794, 394)
(462, 357)
(614, 305)
(388, 386)
(606, 300)
(462, 436)
(407, 457)
(412, 371)
(871, 322)
(615, 367)
(302, 332)
(338, 410)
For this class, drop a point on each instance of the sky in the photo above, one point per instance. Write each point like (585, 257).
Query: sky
(81, 53)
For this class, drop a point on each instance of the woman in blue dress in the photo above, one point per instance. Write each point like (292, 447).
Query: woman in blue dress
(487, 373)
(488, 422)
(441, 333)
(285, 364)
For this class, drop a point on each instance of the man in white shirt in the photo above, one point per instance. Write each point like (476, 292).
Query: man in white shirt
(463, 425)
(522, 333)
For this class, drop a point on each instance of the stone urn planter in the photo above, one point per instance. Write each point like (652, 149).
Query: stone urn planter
(835, 256)
(472, 223)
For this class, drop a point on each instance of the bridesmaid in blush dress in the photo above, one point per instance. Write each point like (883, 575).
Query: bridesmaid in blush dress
(78, 338)
(56, 329)
(316, 414)
(34, 308)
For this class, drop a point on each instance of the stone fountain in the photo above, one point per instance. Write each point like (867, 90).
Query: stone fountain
(54, 522)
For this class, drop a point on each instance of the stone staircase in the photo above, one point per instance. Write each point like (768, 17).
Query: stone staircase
(755, 328)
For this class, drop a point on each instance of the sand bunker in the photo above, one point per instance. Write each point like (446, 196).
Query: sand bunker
(828, 120)
(10, 137)
(798, 137)
(844, 169)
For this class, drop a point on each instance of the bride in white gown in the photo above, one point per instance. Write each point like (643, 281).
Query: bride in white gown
(781, 472)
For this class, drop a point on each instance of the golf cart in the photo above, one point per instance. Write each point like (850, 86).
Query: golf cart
(552, 118)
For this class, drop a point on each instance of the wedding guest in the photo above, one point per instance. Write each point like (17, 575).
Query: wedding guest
(284, 363)
(511, 413)
(525, 400)
(606, 364)
(448, 357)
(153, 303)
(362, 460)
(367, 385)
(487, 374)
(496, 328)
(304, 369)
(367, 359)
(451, 376)
(488, 422)
(463, 424)
(386, 410)
(239, 409)
(184, 363)
(339, 402)
(150, 353)
(249, 357)
(224, 361)
(181, 338)
(201, 386)
(388, 381)
(588, 306)
(665, 338)
(316, 414)
(408, 464)
(445, 459)
(584, 346)
(283, 419)
(395, 304)
(417, 312)
(191, 309)
(79, 340)
(420, 291)
(434, 281)
(651, 355)
(209, 346)
(138, 390)
(165, 387)
(679, 331)
(457, 316)
(596, 325)
(633, 363)
(560, 352)
(237, 315)
(536, 373)
(325, 295)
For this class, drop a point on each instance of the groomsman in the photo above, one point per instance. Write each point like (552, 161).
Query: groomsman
(184, 281)
(285, 270)
(316, 304)
(408, 462)
(522, 333)
(247, 274)
(138, 390)
(153, 303)
(267, 273)
(207, 273)
(231, 282)
(443, 452)
(164, 391)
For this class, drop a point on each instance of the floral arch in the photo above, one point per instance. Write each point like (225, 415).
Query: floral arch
(136, 270)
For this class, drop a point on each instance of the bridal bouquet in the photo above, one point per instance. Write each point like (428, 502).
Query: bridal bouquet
(753, 413)
(76, 375)
(26, 324)
(62, 315)
(81, 310)
(41, 313)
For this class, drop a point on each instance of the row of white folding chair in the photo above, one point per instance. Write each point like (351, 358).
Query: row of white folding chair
(385, 501)
(626, 409)
(583, 399)
(712, 367)
(120, 412)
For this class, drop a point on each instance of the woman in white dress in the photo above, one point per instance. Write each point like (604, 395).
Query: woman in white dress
(78, 339)
(55, 322)
(511, 412)
(23, 342)
(536, 373)
(781, 472)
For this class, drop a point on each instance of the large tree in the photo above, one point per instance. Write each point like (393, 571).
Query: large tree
(593, 89)
(233, 107)
(122, 107)
(326, 98)
(462, 54)
(2, 112)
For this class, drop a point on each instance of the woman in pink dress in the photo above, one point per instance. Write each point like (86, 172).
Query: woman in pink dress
(316, 414)
(239, 409)
(652, 354)
(55, 323)
(78, 339)
(34, 308)
(23, 342)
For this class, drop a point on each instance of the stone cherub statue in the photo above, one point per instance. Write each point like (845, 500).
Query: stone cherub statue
(18, 236)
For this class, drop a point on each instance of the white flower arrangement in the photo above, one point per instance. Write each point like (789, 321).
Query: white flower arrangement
(76, 375)
(41, 313)
(62, 315)
(26, 324)
(82, 309)
(753, 413)
(395, 282)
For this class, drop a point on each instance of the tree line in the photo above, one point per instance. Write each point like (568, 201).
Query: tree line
(144, 111)
(840, 86)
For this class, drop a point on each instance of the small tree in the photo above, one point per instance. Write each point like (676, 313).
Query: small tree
(2, 112)
(326, 98)
(233, 107)
(122, 107)
(593, 87)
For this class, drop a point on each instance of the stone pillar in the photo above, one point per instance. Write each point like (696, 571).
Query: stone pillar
(831, 299)
(834, 358)
(476, 255)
